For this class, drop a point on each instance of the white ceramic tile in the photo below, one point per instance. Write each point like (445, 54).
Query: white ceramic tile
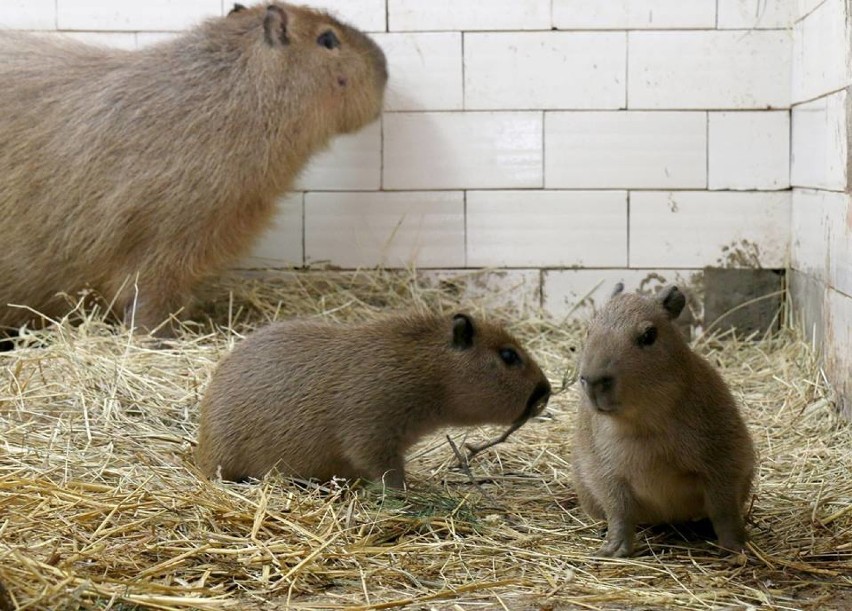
(406, 15)
(367, 15)
(611, 150)
(821, 58)
(709, 69)
(516, 289)
(353, 162)
(633, 14)
(454, 150)
(530, 70)
(838, 351)
(840, 245)
(28, 14)
(575, 294)
(425, 70)
(749, 150)
(281, 244)
(547, 228)
(746, 14)
(353, 230)
(821, 143)
(809, 241)
(805, 7)
(118, 40)
(134, 16)
(689, 229)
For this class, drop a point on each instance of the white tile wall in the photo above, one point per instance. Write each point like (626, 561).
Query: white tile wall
(281, 244)
(633, 14)
(425, 229)
(462, 15)
(28, 14)
(368, 15)
(709, 69)
(545, 70)
(690, 229)
(821, 58)
(821, 143)
(425, 70)
(134, 16)
(840, 245)
(353, 162)
(455, 150)
(756, 13)
(600, 150)
(519, 289)
(809, 220)
(749, 150)
(547, 228)
(575, 294)
(805, 7)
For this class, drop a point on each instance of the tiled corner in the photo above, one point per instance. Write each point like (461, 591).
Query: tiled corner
(367, 15)
(353, 162)
(694, 229)
(757, 14)
(709, 69)
(466, 15)
(281, 244)
(575, 294)
(532, 70)
(547, 228)
(821, 62)
(643, 150)
(455, 150)
(28, 14)
(633, 14)
(820, 148)
(353, 230)
(749, 150)
(134, 16)
(425, 70)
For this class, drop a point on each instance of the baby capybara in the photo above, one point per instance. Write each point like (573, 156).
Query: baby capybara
(659, 438)
(318, 400)
(136, 173)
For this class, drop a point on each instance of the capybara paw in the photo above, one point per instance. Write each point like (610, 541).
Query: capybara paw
(732, 545)
(619, 548)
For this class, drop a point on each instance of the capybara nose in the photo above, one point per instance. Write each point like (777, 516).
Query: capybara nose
(598, 386)
(539, 397)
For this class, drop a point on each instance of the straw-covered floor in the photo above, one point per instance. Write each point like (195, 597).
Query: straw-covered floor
(101, 507)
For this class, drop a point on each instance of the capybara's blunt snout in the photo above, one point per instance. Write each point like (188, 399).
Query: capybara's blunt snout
(600, 389)
(539, 398)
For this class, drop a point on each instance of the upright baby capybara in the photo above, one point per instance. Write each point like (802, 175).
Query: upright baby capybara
(139, 172)
(659, 438)
(318, 400)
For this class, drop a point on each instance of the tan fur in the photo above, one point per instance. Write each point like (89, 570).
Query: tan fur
(659, 438)
(316, 400)
(165, 162)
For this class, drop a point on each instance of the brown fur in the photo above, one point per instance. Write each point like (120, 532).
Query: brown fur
(316, 400)
(659, 438)
(163, 164)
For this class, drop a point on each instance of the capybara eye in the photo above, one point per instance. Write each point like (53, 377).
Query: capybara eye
(648, 337)
(510, 357)
(328, 39)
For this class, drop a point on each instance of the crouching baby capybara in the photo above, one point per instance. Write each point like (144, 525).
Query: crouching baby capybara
(318, 400)
(659, 438)
(136, 173)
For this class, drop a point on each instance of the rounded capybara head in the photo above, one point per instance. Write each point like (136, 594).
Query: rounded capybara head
(634, 355)
(306, 54)
(489, 378)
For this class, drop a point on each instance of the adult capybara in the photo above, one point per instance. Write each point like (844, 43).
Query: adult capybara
(659, 438)
(318, 400)
(136, 173)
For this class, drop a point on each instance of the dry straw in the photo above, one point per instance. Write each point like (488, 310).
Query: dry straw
(101, 507)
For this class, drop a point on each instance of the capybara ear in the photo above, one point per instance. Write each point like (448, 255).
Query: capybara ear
(617, 289)
(237, 8)
(673, 301)
(275, 26)
(462, 332)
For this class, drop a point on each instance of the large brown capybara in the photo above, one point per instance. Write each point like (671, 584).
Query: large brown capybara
(318, 400)
(137, 173)
(659, 438)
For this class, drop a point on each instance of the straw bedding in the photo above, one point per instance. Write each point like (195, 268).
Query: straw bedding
(101, 506)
